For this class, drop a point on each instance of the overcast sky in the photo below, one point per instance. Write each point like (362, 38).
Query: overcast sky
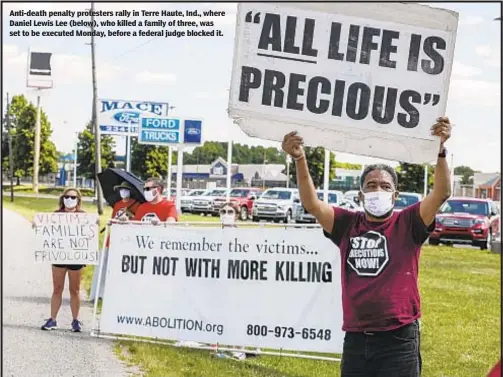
(171, 70)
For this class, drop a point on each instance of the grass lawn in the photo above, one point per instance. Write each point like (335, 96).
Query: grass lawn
(461, 324)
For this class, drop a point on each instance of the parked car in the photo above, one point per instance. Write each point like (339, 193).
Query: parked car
(204, 204)
(466, 221)
(352, 196)
(173, 193)
(275, 204)
(242, 199)
(301, 216)
(187, 199)
(406, 199)
(351, 205)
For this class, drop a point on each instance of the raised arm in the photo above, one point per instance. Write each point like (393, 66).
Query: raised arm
(442, 185)
(324, 213)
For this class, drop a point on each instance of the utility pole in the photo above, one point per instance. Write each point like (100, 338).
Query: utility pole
(36, 146)
(11, 158)
(97, 136)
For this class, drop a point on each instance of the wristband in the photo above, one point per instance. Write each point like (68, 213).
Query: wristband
(443, 154)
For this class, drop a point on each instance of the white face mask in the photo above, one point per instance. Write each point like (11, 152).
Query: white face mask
(70, 203)
(150, 195)
(378, 203)
(124, 193)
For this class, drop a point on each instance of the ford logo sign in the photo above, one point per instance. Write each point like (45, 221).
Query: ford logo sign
(193, 131)
(127, 117)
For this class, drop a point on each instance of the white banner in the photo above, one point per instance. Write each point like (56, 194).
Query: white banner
(66, 238)
(366, 79)
(262, 287)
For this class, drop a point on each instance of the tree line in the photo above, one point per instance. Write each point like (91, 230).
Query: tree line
(148, 160)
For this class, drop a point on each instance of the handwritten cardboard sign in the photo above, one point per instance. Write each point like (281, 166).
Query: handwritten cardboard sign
(66, 238)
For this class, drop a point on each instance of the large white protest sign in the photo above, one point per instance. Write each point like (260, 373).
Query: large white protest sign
(273, 288)
(66, 238)
(368, 79)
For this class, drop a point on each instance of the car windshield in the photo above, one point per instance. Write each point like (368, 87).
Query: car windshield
(239, 193)
(276, 194)
(403, 200)
(216, 193)
(332, 198)
(471, 207)
(195, 193)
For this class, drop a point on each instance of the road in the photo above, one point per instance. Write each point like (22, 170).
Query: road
(27, 350)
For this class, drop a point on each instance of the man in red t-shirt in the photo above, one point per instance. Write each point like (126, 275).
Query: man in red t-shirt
(496, 371)
(126, 207)
(379, 262)
(157, 209)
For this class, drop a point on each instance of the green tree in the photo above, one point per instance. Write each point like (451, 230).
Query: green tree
(241, 154)
(467, 174)
(411, 177)
(315, 161)
(86, 152)
(23, 117)
(150, 160)
(347, 165)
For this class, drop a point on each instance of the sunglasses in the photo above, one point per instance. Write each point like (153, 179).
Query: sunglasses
(227, 212)
(150, 188)
(70, 197)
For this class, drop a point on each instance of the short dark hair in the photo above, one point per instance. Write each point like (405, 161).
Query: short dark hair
(382, 167)
(156, 182)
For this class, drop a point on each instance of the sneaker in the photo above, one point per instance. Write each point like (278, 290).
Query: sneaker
(76, 325)
(50, 324)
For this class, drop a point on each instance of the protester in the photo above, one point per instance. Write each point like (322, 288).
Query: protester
(228, 217)
(157, 209)
(496, 370)
(69, 201)
(380, 259)
(127, 206)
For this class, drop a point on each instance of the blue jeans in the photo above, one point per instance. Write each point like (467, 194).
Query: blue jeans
(392, 353)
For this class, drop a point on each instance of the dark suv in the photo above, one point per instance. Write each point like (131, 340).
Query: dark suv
(466, 221)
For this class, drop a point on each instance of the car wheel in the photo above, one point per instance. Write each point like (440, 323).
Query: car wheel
(244, 213)
(486, 245)
(255, 219)
(433, 242)
(288, 218)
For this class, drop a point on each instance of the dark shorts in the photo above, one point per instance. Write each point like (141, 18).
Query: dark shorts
(73, 267)
(383, 354)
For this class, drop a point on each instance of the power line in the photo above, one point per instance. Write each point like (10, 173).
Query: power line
(131, 50)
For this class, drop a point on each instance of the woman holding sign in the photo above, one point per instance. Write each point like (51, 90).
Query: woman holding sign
(69, 201)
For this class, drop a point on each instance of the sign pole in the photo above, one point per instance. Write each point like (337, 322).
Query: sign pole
(425, 190)
(36, 156)
(75, 160)
(128, 148)
(170, 164)
(179, 176)
(229, 170)
(326, 175)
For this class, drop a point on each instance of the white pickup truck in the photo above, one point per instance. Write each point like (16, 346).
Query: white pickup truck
(275, 204)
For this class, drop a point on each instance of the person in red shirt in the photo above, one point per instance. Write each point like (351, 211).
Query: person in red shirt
(157, 209)
(127, 207)
(379, 262)
(496, 371)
